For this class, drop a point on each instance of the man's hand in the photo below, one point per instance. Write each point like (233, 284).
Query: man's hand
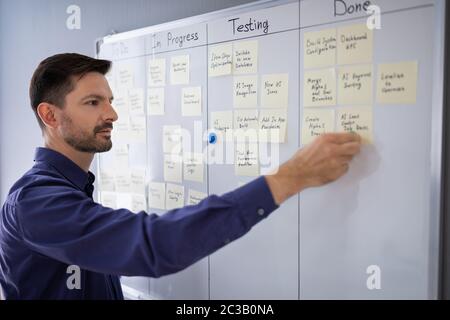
(324, 160)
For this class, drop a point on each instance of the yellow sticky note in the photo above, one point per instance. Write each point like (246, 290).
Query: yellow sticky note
(122, 179)
(246, 159)
(191, 102)
(156, 72)
(173, 168)
(356, 119)
(138, 203)
(272, 125)
(195, 197)
(121, 160)
(222, 123)
(319, 88)
(397, 83)
(121, 103)
(274, 90)
(138, 176)
(245, 93)
(125, 77)
(155, 101)
(246, 125)
(355, 44)
(220, 60)
(108, 199)
(316, 122)
(157, 195)
(245, 58)
(174, 196)
(107, 180)
(172, 139)
(121, 130)
(138, 129)
(193, 166)
(319, 49)
(136, 101)
(355, 85)
(179, 70)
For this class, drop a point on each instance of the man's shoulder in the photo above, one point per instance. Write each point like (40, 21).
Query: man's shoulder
(40, 180)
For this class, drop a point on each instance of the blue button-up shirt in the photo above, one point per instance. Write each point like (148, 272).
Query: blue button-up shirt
(50, 222)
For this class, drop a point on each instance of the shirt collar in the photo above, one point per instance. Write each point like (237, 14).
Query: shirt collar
(65, 166)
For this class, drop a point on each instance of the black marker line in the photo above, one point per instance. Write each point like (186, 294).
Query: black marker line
(367, 16)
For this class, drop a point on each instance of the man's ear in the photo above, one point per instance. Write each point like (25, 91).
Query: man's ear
(46, 112)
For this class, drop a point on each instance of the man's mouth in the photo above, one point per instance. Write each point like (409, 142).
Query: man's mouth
(107, 128)
(105, 132)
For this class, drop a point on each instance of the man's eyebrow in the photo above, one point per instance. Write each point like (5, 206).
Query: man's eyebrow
(96, 96)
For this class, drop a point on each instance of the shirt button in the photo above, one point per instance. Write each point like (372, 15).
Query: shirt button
(261, 211)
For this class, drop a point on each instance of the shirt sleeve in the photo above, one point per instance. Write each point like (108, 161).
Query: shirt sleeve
(64, 224)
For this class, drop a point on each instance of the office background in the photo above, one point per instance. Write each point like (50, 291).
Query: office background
(33, 30)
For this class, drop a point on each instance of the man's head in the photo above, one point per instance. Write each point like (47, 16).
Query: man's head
(72, 101)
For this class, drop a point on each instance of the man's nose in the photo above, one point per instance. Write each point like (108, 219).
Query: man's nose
(111, 113)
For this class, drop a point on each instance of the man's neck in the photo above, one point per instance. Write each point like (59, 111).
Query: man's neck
(81, 159)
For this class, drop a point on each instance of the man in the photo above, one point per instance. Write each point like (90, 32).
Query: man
(50, 222)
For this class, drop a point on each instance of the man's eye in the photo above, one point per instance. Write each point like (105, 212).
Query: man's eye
(92, 102)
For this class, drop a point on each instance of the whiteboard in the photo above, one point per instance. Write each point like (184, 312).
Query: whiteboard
(325, 242)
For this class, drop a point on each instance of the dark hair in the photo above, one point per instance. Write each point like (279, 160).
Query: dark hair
(53, 78)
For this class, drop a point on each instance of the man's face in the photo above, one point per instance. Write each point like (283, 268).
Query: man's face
(86, 120)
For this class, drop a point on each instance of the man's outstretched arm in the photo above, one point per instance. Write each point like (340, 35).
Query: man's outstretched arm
(56, 220)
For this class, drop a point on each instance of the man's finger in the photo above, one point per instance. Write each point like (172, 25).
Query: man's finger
(343, 137)
(345, 159)
(349, 148)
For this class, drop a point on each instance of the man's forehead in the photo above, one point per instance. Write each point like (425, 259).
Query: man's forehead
(94, 82)
(88, 77)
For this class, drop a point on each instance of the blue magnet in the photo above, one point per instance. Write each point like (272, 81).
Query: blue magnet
(212, 138)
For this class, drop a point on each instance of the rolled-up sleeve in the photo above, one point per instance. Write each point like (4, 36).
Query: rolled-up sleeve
(63, 223)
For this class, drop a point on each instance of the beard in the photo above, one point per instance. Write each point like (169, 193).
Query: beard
(85, 141)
